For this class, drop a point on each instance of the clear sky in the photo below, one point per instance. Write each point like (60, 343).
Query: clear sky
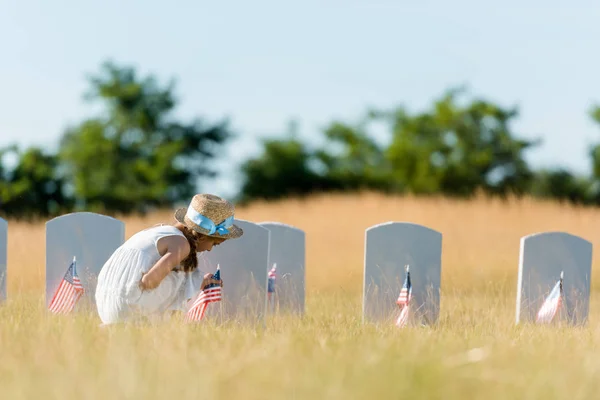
(263, 62)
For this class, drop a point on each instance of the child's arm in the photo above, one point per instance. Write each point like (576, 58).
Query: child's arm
(173, 249)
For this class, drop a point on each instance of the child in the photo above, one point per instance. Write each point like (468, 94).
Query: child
(147, 275)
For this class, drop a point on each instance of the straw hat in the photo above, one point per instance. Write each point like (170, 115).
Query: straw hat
(210, 215)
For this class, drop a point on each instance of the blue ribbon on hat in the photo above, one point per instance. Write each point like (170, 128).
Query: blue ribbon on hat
(208, 224)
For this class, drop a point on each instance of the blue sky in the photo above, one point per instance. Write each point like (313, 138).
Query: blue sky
(262, 63)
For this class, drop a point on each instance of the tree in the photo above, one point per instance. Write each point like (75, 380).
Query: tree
(594, 153)
(33, 187)
(352, 159)
(285, 167)
(457, 150)
(450, 149)
(562, 185)
(137, 155)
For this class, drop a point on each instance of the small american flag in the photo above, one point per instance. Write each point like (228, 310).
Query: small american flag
(209, 294)
(552, 303)
(68, 293)
(404, 300)
(271, 281)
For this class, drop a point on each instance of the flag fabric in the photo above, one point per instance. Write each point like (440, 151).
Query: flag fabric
(271, 281)
(403, 300)
(553, 301)
(68, 292)
(211, 293)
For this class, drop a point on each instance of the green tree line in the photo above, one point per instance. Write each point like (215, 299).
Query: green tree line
(135, 155)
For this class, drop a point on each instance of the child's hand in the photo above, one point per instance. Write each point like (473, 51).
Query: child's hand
(209, 281)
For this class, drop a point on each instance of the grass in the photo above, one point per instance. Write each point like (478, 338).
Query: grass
(475, 351)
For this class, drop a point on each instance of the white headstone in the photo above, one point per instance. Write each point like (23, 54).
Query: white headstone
(243, 263)
(543, 256)
(389, 247)
(287, 253)
(91, 238)
(3, 257)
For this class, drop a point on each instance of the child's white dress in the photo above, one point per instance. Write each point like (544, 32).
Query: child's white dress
(118, 295)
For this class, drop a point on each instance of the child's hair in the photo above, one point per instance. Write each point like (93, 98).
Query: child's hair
(190, 263)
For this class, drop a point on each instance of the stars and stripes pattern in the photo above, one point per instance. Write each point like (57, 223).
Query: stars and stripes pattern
(271, 281)
(209, 294)
(552, 303)
(69, 291)
(403, 300)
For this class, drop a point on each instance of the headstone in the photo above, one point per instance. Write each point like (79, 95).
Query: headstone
(543, 256)
(91, 238)
(3, 257)
(389, 248)
(243, 263)
(287, 252)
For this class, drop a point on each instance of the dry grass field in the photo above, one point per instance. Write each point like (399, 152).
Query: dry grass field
(474, 352)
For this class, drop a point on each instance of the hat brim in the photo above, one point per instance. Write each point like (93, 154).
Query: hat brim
(234, 231)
